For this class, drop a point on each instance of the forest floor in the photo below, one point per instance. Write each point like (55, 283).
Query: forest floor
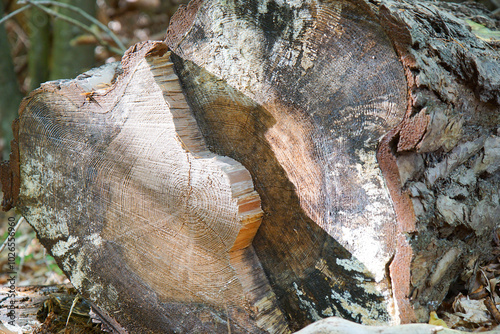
(33, 265)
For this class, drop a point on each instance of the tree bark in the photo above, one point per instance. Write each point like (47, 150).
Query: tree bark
(363, 139)
(446, 149)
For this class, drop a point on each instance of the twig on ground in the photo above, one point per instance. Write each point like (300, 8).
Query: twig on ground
(11, 233)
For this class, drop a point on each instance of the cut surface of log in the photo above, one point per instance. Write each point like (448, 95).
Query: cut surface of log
(328, 85)
(328, 103)
(145, 221)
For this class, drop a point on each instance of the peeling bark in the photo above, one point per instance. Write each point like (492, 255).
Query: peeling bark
(446, 159)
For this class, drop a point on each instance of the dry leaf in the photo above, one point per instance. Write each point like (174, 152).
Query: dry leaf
(471, 311)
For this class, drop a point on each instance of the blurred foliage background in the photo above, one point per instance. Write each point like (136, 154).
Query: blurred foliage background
(36, 46)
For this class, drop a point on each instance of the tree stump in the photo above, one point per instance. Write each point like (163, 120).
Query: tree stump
(284, 163)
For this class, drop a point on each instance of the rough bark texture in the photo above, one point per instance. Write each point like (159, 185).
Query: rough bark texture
(370, 132)
(447, 148)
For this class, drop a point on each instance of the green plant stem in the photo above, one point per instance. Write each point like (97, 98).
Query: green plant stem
(40, 47)
(14, 13)
(19, 222)
(85, 15)
(77, 24)
(39, 4)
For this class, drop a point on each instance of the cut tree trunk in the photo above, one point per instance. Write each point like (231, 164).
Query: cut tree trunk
(307, 129)
(138, 213)
(286, 162)
(326, 74)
